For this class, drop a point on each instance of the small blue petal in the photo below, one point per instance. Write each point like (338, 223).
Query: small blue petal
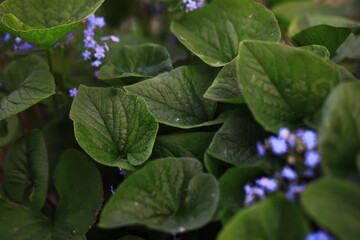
(319, 235)
(288, 173)
(112, 189)
(312, 159)
(96, 63)
(278, 145)
(260, 148)
(18, 40)
(122, 172)
(7, 37)
(309, 139)
(284, 133)
(269, 184)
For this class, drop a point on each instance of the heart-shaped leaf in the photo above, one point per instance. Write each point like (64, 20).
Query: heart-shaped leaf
(9, 129)
(114, 128)
(275, 218)
(226, 88)
(19, 222)
(76, 210)
(325, 199)
(131, 63)
(79, 185)
(182, 145)
(213, 33)
(232, 184)
(283, 85)
(176, 98)
(339, 133)
(328, 31)
(235, 141)
(29, 81)
(26, 171)
(170, 195)
(44, 22)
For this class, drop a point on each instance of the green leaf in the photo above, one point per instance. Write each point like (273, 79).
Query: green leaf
(182, 145)
(275, 218)
(176, 98)
(318, 50)
(29, 81)
(59, 136)
(44, 22)
(170, 195)
(350, 49)
(114, 128)
(283, 85)
(235, 141)
(325, 200)
(26, 171)
(287, 12)
(232, 184)
(21, 223)
(339, 133)
(226, 88)
(9, 130)
(213, 33)
(129, 64)
(328, 31)
(79, 186)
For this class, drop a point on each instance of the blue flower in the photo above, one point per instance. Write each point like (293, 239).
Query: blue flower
(319, 235)
(284, 133)
(269, 184)
(96, 73)
(291, 140)
(251, 193)
(112, 189)
(96, 63)
(18, 40)
(293, 191)
(278, 145)
(260, 148)
(191, 5)
(106, 47)
(100, 22)
(122, 171)
(73, 92)
(288, 173)
(7, 37)
(57, 44)
(312, 159)
(99, 52)
(88, 33)
(112, 38)
(89, 42)
(309, 139)
(309, 173)
(86, 54)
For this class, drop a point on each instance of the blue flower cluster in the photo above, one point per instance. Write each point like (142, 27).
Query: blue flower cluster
(191, 5)
(92, 45)
(300, 144)
(294, 146)
(19, 45)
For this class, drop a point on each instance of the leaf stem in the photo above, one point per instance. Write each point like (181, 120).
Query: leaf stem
(49, 52)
